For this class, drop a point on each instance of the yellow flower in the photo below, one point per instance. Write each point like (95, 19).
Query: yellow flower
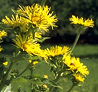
(38, 16)
(21, 40)
(34, 62)
(89, 23)
(75, 65)
(46, 76)
(38, 35)
(1, 49)
(2, 33)
(57, 50)
(28, 44)
(78, 77)
(34, 49)
(17, 21)
(81, 21)
(67, 60)
(44, 86)
(5, 63)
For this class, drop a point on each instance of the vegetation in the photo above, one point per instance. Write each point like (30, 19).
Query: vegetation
(43, 68)
(64, 9)
(88, 55)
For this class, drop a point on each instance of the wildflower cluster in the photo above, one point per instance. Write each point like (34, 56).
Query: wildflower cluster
(28, 24)
(67, 63)
(34, 16)
(31, 20)
(76, 67)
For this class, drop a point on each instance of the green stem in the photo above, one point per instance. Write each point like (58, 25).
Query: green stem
(76, 40)
(2, 84)
(31, 71)
(57, 78)
(24, 70)
(52, 89)
(71, 88)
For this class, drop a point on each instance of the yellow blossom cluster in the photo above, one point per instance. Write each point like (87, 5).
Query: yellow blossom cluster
(81, 21)
(39, 16)
(32, 20)
(79, 70)
(35, 16)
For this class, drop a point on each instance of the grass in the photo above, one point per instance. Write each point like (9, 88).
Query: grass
(88, 55)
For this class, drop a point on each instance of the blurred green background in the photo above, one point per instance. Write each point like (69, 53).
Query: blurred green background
(64, 9)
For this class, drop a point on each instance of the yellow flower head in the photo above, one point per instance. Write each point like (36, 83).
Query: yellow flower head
(38, 16)
(81, 21)
(28, 44)
(17, 21)
(75, 65)
(57, 50)
(5, 63)
(34, 62)
(44, 86)
(38, 34)
(78, 77)
(2, 33)
(46, 76)
(1, 49)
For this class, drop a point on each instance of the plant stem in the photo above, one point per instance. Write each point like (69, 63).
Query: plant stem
(2, 84)
(24, 70)
(76, 40)
(31, 71)
(57, 78)
(71, 88)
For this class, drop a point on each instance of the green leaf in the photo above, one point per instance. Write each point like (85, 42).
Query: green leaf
(34, 58)
(43, 39)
